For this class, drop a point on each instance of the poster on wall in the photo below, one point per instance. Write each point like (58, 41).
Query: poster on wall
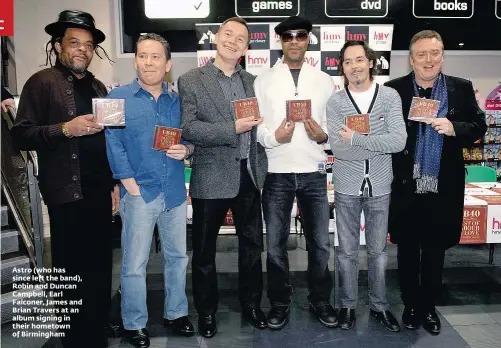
(323, 50)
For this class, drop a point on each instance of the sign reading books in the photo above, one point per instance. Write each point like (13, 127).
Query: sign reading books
(246, 108)
(165, 137)
(298, 110)
(358, 123)
(423, 109)
(109, 112)
(443, 8)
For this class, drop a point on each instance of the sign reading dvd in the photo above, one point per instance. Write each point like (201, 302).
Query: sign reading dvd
(443, 8)
(356, 8)
(497, 9)
(266, 9)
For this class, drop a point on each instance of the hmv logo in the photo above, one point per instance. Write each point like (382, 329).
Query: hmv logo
(257, 60)
(356, 36)
(203, 60)
(381, 36)
(258, 36)
(371, 5)
(496, 225)
(331, 37)
(332, 62)
(450, 5)
(312, 61)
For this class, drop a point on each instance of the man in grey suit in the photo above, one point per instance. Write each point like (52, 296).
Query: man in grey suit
(228, 172)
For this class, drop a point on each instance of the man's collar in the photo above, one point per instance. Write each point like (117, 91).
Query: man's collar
(136, 87)
(213, 69)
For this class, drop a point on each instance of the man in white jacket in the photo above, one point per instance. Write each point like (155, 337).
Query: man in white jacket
(296, 159)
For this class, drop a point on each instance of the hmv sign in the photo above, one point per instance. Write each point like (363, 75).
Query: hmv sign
(356, 8)
(266, 9)
(443, 8)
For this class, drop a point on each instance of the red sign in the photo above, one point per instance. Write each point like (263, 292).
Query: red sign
(474, 224)
(6, 17)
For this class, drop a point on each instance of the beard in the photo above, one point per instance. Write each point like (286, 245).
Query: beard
(77, 67)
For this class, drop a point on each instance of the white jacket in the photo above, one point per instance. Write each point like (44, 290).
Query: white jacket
(273, 88)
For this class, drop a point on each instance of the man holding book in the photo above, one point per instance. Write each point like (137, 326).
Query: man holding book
(228, 172)
(147, 157)
(426, 211)
(365, 126)
(292, 97)
(55, 119)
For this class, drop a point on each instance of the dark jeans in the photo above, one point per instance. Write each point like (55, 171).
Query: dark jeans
(420, 271)
(81, 245)
(208, 217)
(279, 191)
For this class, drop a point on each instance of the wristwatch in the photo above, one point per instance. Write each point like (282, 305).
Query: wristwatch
(65, 131)
(325, 141)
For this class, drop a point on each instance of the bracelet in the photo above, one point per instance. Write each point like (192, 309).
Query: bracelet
(65, 131)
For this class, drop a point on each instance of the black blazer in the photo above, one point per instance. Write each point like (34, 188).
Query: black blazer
(443, 219)
(5, 94)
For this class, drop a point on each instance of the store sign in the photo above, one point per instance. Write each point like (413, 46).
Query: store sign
(443, 8)
(356, 8)
(175, 9)
(497, 8)
(7, 18)
(266, 9)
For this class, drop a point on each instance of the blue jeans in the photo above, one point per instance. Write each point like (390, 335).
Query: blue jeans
(348, 210)
(279, 191)
(139, 219)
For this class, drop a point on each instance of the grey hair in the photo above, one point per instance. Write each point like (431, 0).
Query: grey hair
(425, 34)
(155, 37)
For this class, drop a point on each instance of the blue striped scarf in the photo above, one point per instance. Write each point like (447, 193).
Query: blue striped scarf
(429, 143)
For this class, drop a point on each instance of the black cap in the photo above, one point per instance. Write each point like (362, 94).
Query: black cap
(75, 19)
(293, 23)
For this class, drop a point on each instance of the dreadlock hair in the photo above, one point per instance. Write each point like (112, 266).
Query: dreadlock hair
(52, 45)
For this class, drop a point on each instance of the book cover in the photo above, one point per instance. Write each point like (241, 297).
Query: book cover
(490, 117)
(474, 225)
(358, 123)
(476, 154)
(466, 154)
(165, 137)
(488, 153)
(298, 110)
(246, 108)
(489, 136)
(109, 112)
(423, 109)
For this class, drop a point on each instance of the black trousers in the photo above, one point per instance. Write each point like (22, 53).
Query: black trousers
(208, 217)
(420, 269)
(81, 245)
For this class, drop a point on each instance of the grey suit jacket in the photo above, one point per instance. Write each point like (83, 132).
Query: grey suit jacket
(208, 122)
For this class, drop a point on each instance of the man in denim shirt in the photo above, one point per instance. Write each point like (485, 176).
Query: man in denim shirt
(152, 191)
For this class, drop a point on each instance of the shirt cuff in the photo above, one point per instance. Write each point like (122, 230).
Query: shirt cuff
(358, 139)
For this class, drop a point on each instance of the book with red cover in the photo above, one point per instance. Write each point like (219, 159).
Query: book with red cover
(109, 112)
(358, 123)
(423, 109)
(298, 110)
(165, 137)
(246, 108)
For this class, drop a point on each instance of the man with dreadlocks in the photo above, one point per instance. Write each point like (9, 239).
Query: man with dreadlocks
(55, 119)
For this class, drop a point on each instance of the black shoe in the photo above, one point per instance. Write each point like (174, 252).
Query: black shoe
(411, 319)
(278, 317)
(431, 322)
(387, 319)
(325, 314)
(346, 318)
(207, 325)
(138, 338)
(255, 316)
(181, 326)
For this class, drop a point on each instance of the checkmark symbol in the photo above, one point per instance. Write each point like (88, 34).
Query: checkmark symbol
(197, 7)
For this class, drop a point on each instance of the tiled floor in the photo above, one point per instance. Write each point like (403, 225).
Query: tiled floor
(469, 308)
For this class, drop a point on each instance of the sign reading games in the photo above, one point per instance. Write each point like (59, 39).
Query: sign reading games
(443, 8)
(356, 8)
(266, 9)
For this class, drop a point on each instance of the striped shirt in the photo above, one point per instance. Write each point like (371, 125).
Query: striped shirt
(364, 166)
(233, 89)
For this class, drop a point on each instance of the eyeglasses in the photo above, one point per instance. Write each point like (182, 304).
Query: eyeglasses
(74, 43)
(289, 36)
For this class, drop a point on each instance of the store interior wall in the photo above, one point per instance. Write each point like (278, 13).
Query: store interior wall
(31, 16)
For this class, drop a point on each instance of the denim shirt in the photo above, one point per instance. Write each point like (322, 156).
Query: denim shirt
(130, 150)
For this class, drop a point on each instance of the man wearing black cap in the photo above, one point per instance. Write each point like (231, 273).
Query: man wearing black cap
(55, 119)
(296, 160)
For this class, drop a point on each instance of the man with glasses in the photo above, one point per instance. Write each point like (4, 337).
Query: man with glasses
(426, 210)
(362, 173)
(55, 119)
(292, 97)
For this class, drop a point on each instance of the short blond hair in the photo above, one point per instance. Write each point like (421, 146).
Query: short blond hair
(425, 34)
(238, 20)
